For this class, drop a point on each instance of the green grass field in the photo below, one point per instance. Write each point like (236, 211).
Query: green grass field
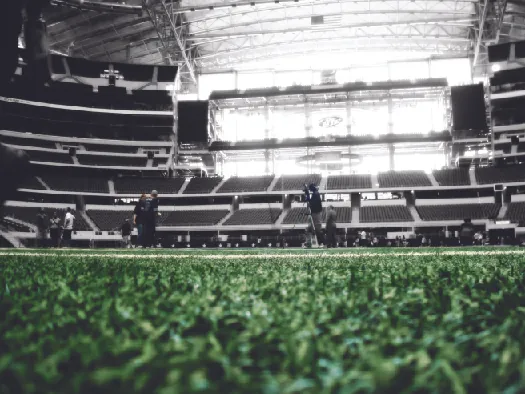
(263, 321)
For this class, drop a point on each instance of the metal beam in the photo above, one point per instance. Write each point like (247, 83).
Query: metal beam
(483, 17)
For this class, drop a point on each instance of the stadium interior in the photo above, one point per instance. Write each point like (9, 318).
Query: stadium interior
(405, 114)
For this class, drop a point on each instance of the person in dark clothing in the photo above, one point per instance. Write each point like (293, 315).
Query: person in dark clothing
(331, 227)
(14, 169)
(149, 219)
(137, 217)
(54, 230)
(316, 209)
(42, 225)
(125, 229)
(466, 233)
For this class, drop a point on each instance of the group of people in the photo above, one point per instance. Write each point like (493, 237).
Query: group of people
(59, 232)
(145, 219)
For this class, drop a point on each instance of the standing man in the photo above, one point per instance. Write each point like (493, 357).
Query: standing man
(466, 233)
(69, 222)
(331, 227)
(137, 217)
(149, 219)
(42, 224)
(126, 233)
(316, 209)
(54, 230)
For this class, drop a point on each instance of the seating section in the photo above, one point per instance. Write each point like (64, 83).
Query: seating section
(386, 213)
(121, 161)
(403, 179)
(10, 225)
(195, 218)
(28, 215)
(251, 184)
(49, 157)
(107, 220)
(31, 183)
(76, 184)
(489, 175)
(300, 215)
(341, 182)
(110, 148)
(516, 212)
(296, 182)
(20, 141)
(249, 217)
(202, 185)
(160, 162)
(458, 211)
(452, 177)
(146, 185)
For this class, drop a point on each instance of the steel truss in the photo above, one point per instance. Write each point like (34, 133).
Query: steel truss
(173, 31)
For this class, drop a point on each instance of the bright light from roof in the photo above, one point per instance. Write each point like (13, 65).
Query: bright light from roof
(496, 67)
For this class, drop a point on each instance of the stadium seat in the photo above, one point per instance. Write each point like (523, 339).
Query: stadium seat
(516, 212)
(195, 218)
(76, 184)
(146, 185)
(452, 177)
(248, 184)
(403, 179)
(387, 213)
(489, 175)
(458, 211)
(296, 182)
(202, 185)
(343, 182)
(247, 217)
(299, 215)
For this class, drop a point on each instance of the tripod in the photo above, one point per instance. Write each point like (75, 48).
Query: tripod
(311, 224)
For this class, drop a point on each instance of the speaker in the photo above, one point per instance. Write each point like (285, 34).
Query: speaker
(72, 151)
(499, 52)
(151, 155)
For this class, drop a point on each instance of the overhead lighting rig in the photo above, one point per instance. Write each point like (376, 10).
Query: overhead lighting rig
(100, 6)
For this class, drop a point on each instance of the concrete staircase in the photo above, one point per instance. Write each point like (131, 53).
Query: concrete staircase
(272, 185)
(225, 218)
(323, 183)
(414, 213)
(355, 215)
(111, 186)
(375, 181)
(184, 186)
(433, 179)
(42, 183)
(218, 186)
(503, 211)
(472, 176)
(89, 221)
(281, 217)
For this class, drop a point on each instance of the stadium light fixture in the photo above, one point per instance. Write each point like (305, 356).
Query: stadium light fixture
(496, 67)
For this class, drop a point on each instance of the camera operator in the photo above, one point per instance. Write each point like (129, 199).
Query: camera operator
(316, 209)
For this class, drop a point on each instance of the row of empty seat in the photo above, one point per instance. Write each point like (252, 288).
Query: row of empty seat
(249, 217)
(299, 215)
(490, 175)
(458, 211)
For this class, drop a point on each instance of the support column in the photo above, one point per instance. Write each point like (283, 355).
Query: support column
(267, 134)
(390, 115)
(391, 153)
(307, 118)
(349, 131)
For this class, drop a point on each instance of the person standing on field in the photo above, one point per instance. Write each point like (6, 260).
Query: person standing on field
(331, 227)
(149, 219)
(126, 233)
(137, 217)
(69, 222)
(54, 230)
(42, 224)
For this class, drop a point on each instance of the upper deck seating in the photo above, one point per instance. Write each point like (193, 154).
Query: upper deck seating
(49, 157)
(385, 213)
(296, 182)
(489, 175)
(121, 161)
(248, 184)
(31, 183)
(137, 185)
(458, 211)
(253, 216)
(516, 212)
(76, 184)
(452, 177)
(202, 185)
(403, 179)
(21, 141)
(353, 181)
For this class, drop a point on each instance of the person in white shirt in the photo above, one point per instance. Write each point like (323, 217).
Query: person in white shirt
(69, 222)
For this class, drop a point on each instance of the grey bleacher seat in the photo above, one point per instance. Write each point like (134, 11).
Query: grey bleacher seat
(49, 157)
(108, 220)
(403, 179)
(296, 182)
(202, 185)
(385, 213)
(76, 184)
(489, 175)
(205, 217)
(121, 161)
(352, 181)
(20, 141)
(137, 185)
(458, 211)
(253, 216)
(110, 148)
(28, 215)
(31, 183)
(516, 212)
(452, 177)
(299, 215)
(248, 184)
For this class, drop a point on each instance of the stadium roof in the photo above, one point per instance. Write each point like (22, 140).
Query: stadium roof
(218, 35)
